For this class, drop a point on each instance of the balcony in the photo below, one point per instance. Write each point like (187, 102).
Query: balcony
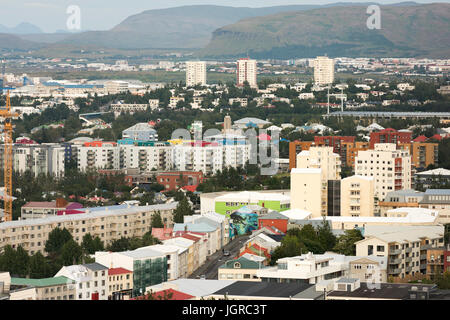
(394, 252)
(423, 266)
(408, 259)
(408, 250)
(425, 247)
(408, 269)
(435, 262)
(395, 271)
(395, 261)
(423, 257)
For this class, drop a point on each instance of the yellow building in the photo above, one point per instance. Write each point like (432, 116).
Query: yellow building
(357, 196)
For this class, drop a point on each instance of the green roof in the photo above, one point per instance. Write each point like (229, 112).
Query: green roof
(245, 264)
(47, 282)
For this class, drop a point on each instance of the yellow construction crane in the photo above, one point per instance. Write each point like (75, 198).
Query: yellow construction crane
(8, 157)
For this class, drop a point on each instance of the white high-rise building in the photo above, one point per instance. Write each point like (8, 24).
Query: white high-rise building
(246, 71)
(195, 73)
(390, 168)
(310, 185)
(323, 70)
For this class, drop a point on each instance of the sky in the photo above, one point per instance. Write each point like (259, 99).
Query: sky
(50, 15)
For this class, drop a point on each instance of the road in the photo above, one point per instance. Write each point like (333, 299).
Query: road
(211, 266)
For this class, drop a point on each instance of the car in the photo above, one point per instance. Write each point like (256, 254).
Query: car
(226, 253)
(203, 277)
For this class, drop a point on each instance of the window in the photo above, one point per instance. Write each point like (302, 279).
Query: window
(380, 248)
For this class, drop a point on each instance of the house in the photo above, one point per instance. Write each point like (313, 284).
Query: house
(90, 280)
(240, 269)
(120, 283)
(56, 288)
(274, 220)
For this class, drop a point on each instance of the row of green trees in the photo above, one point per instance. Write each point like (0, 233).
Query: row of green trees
(316, 240)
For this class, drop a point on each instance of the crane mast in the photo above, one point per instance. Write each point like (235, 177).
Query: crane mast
(8, 157)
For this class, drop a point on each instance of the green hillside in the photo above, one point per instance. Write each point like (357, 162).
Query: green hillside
(422, 30)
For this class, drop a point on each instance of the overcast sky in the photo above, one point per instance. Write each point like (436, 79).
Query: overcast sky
(50, 15)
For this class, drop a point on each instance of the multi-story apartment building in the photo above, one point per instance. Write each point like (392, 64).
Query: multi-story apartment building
(438, 261)
(98, 155)
(390, 168)
(437, 199)
(357, 196)
(390, 135)
(430, 178)
(246, 71)
(108, 223)
(423, 154)
(90, 280)
(130, 108)
(400, 199)
(195, 73)
(56, 288)
(146, 156)
(38, 159)
(34, 209)
(295, 147)
(209, 158)
(240, 269)
(315, 183)
(311, 268)
(120, 283)
(323, 70)
(405, 246)
(149, 266)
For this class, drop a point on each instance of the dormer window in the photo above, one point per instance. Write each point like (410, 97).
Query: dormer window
(237, 265)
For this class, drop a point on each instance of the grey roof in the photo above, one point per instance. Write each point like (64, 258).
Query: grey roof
(95, 266)
(273, 215)
(143, 253)
(347, 280)
(437, 192)
(91, 215)
(264, 289)
(386, 291)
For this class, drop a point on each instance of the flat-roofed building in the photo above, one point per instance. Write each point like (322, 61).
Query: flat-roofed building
(357, 196)
(400, 199)
(405, 246)
(56, 288)
(120, 283)
(437, 199)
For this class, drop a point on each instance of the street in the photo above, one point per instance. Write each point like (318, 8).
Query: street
(209, 268)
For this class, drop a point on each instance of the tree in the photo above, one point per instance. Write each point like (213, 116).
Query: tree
(118, 245)
(71, 253)
(325, 236)
(346, 243)
(57, 238)
(91, 245)
(157, 221)
(15, 261)
(183, 209)
(39, 267)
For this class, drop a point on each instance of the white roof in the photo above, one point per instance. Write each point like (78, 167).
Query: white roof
(253, 257)
(359, 177)
(306, 170)
(253, 196)
(142, 253)
(296, 214)
(436, 172)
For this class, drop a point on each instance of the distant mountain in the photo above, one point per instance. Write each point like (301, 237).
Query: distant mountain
(180, 27)
(408, 30)
(13, 42)
(22, 28)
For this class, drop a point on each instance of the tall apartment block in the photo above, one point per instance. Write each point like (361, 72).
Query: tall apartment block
(246, 71)
(195, 73)
(315, 183)
(390, 168)
(323, 70)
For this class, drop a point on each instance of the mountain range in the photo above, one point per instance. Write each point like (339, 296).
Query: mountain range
(408, 29)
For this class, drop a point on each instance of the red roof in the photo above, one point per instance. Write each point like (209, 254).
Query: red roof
(420, 139)
(176, 295)
(162, 233)
(114, 271)
(191, 237)
(190, 188)
(436, 137)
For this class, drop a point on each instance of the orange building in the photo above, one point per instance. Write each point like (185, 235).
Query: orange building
(423, 154)
(295, 147)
